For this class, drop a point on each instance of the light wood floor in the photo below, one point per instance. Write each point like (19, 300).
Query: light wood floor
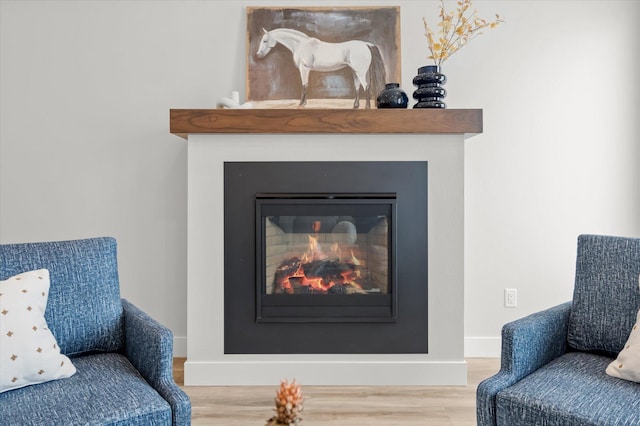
(344, 405)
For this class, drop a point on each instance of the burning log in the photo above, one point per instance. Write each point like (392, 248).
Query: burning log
(298, 287)
(317, 277)
(287, 269)
(328, 269)
(317, 273)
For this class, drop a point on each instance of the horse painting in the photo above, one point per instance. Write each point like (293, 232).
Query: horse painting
(311, 54)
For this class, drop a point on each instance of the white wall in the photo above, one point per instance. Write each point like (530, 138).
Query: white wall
(560, 154)
(86, 88)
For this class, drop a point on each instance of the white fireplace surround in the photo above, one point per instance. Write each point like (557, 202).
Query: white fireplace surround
(208, 365)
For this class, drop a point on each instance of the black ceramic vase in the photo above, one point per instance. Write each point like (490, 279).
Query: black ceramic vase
(392, 97)
(429, 93)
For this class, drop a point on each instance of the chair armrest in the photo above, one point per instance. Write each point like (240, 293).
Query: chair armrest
(527, 344)
(149, 348)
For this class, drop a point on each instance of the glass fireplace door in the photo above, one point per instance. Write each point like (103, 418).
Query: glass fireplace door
(325, 257)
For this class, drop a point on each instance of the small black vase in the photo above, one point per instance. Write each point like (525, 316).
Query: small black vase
(429, 93)
(392, 97)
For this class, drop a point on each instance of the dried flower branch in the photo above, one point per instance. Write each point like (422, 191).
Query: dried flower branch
(456, 29)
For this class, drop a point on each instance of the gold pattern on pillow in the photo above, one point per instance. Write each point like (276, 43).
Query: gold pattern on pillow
(29, 353)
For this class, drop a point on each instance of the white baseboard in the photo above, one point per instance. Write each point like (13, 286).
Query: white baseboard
(482, 347)
(180, 346)
(229, 372)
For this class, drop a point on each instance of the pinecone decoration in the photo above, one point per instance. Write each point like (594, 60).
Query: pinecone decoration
(288, 404)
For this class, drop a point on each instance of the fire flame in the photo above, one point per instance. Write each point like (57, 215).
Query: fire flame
(354, 259)
(293, 270)
(314, 251)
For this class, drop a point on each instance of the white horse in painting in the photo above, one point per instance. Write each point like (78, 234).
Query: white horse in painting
(311, 54)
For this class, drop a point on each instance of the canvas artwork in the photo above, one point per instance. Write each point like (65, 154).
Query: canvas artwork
(338, 57)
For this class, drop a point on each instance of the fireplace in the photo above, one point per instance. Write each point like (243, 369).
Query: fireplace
(332, 254)
(325, 257)
(217, 139)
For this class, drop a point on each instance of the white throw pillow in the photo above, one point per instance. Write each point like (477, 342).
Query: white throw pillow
(627, 365)
(29, 353)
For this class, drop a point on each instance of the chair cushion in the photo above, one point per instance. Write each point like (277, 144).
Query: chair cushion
(84, 310)
(606, 296)
(571, 390)
(106, 389)
(29, 353)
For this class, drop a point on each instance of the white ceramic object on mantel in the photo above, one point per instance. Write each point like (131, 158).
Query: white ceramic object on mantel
(233, 102)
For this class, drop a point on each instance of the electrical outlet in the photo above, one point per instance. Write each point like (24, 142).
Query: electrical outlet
(510, 298)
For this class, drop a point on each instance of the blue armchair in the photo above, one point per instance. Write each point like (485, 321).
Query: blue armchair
(553, 362)
(123, 358)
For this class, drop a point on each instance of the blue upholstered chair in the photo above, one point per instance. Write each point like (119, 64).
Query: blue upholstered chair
(553, 362)
(123, 358)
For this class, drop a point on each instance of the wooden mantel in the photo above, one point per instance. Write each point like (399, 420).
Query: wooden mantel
(184, 122)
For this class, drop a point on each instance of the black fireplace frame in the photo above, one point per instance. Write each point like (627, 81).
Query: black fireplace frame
(244, 334)
(325, 308)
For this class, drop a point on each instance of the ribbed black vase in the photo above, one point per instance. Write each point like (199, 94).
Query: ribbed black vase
(429, 93)
(392, 97)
